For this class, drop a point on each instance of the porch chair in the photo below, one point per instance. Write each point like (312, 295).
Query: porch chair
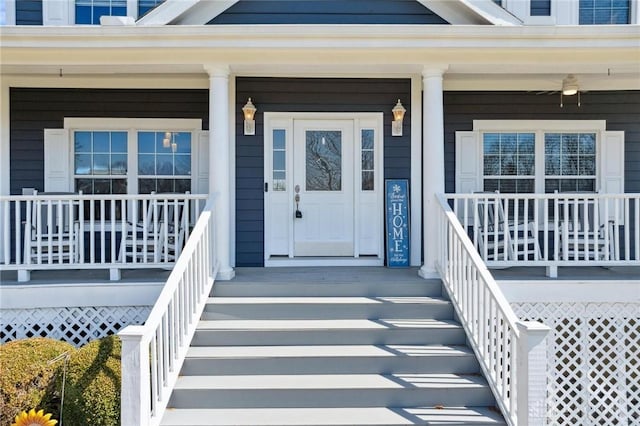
(51, 231)
(159, 236)
(498, 238)
(581, 238)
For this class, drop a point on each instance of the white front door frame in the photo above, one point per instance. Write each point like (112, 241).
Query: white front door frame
(279, 206)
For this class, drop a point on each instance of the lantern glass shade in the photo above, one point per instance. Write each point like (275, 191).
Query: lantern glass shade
(398, 111)
(249, 110)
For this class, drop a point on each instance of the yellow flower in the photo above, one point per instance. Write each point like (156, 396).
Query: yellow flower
(34, 419)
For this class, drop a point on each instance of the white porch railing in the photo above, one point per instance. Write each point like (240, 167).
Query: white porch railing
(71, 231)
(552, 230)
(152, 354)
(511, 353)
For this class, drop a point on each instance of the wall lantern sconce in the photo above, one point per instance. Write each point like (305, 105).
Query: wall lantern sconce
(249, 111)
(570, 87)
(398, 115)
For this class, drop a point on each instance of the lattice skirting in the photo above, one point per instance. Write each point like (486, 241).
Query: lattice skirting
(76, 325)
(593, 361)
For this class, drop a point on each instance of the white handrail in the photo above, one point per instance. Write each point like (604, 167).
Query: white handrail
(111, 231)
(152, 354)
(501, 343)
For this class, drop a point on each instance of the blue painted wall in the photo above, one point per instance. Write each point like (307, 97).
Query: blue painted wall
(328, 12)
(28, 12)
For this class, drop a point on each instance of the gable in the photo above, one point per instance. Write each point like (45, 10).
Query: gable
(247, 12)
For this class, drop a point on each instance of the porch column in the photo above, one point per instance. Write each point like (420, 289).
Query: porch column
(219, 171)
(432, 163)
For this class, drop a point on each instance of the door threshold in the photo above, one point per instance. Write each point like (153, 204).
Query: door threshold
(322, 261)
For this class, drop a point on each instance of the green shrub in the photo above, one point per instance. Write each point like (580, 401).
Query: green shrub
(92, 392)
(27, 380)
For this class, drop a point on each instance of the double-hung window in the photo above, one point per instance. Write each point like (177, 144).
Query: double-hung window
(127, 156)
(604, 12)
(90, 11)
(539, 157)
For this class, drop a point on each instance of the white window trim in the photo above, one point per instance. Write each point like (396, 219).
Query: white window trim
(132, 126)
(539, 128)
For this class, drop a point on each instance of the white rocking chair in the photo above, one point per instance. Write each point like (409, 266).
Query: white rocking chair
(159, 236)
(51, 231)
(498, 239)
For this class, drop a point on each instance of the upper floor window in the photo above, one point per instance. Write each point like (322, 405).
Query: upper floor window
(604, 12)
(90, 11)
(146, 5)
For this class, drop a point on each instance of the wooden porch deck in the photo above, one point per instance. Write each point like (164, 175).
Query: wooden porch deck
(344, 274)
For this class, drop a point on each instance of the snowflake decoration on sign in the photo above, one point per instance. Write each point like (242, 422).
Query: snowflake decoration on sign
(396, 188)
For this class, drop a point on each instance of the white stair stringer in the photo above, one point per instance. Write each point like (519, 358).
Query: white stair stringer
(331, 353)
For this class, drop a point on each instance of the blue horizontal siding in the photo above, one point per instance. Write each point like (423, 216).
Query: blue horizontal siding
(306, 95)
(28, 12)
(247, 12)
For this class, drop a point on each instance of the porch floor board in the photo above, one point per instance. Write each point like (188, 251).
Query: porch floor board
(85, 276)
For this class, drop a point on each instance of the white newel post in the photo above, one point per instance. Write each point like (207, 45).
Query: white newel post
(432, 164)
(136, 382)
(531, 358)
(219, 171)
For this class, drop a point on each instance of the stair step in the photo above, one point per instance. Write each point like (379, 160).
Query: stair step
(329, 390)
(326, 307)
(328, 332)
(449, 416)
(415, 287)
(329, 359)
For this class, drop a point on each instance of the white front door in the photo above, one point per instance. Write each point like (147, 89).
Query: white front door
(323, 184)
(332, 165)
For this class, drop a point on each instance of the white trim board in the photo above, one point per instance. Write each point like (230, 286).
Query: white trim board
(559, 291)
(322, 261)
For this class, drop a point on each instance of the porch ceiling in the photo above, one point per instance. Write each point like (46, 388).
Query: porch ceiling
(529, 58)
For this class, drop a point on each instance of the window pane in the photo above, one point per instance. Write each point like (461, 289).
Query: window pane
(491, 185)
(146, 164)
(146, 142)
(526, 143)
(101, 142)
(367, 160)
(323, 160)
(508, 165)
(569, 143)
(552, 143)
(367, 139)
(82, 142)
(164, 164)
(508, 143)
(118, 142)
(119, 164)
(587, 143)
(83, 164)
(552, 165)
(102, 186)
(183, 142)
(525, 186)
(491, 143)
(146, 186)
(526, 165)
(587, 165)
(367, 181)
(551, 185)
(101, 164)
(279, 181)
(569, 165)
(279, 139)
(491, 165)
(182, 185)
(588, 185)
(279, 160)
(183, 165)
(166, 185)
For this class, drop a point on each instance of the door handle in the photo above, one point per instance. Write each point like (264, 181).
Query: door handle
(297, 200)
